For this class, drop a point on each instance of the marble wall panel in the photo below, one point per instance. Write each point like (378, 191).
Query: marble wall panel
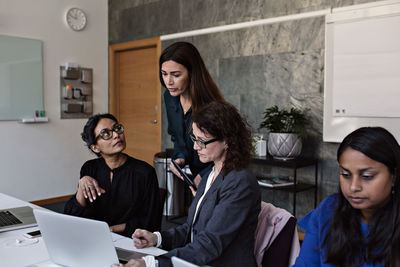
(142, 21)
(206, 13)
(257, 67)
(242, 75)
(261, 40)
(133, 23)
(290, 79)
(195, 14)
(343, 3)
(163, 16)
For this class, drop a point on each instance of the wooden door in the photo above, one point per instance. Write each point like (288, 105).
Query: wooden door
(135, 95)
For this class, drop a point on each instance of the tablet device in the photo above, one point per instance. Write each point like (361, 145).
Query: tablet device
(184, 175)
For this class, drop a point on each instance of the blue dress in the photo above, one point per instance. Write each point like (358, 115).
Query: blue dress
(313, 223)
(179, 126)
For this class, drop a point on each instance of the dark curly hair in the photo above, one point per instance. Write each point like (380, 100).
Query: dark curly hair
(223, 121)
(202, 88)
(88, 135)
(345, 243)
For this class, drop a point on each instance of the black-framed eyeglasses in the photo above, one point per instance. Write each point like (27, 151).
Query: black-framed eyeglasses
(106, 133)
(200, 143)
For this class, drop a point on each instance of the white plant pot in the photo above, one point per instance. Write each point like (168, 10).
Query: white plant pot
(284, 145)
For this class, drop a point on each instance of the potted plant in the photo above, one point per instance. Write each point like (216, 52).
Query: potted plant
(286, 130)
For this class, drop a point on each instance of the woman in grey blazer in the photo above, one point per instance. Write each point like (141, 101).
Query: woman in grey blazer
(222, 219)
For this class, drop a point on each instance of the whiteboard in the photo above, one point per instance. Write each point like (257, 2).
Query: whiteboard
(21, 77)
(362, 70)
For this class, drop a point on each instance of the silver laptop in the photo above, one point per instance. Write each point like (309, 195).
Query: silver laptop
(75, 241)
(16, 218)
(178, 262)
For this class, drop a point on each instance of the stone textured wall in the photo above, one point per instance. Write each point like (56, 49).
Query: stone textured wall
(255, 68)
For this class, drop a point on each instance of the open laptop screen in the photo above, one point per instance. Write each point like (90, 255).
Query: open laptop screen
(75, 241)
(16, 218)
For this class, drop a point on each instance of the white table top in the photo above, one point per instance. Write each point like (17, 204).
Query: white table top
(35, 254)
(7, 202)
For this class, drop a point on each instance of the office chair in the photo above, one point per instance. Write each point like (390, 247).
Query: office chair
(278, 253)
(277, 242)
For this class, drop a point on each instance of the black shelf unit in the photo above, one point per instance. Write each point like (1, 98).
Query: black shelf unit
(294, 164)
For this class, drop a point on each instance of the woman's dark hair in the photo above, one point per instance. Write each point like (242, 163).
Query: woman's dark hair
(88, 135)
(345, 243)
(223, 122)
(202, 88)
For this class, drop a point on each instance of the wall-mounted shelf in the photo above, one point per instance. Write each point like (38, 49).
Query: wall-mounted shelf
(76, 92)
(35, 120)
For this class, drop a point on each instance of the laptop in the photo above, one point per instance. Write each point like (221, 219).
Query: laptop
(75, 241)
(178, 262)
(16, 218)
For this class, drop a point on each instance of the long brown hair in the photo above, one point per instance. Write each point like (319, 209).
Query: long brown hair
(202, 88)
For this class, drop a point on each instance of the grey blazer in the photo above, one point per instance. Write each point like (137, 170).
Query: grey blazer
(223, 232)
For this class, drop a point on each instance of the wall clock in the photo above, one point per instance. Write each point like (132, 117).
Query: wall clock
(76, 19)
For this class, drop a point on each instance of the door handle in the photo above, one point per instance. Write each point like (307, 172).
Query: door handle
(154, 121)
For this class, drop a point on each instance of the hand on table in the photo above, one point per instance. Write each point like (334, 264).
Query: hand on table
(143, 239)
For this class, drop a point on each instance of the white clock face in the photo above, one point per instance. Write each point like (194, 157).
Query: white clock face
(76, 19)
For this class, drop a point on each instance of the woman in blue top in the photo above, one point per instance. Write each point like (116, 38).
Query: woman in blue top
(189, 86)
(359, 226)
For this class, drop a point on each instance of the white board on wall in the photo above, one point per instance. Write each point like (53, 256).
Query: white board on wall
(362, 69)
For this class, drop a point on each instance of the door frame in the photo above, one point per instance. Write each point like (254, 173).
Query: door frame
(113, 97)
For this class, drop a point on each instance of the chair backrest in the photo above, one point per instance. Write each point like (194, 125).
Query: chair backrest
(275, 245)
(278, 253)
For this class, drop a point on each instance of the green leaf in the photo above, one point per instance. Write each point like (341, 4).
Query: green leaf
(277, 120)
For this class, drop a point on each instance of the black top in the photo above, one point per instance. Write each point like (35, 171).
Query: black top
(179, 126)
(132, 197)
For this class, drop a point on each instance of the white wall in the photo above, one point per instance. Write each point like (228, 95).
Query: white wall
(39, 161)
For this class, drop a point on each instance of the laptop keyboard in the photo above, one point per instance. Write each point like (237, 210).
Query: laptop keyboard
(125, 255)
(6, 219)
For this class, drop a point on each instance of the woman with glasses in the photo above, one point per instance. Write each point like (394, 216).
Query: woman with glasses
(189, 86)
(115, 188)
(222, 219)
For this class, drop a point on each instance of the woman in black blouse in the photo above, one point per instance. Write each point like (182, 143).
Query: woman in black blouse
(115, 187)
(189, 86)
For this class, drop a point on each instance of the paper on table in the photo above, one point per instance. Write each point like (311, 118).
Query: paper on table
(127, 243)
(115, 237)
